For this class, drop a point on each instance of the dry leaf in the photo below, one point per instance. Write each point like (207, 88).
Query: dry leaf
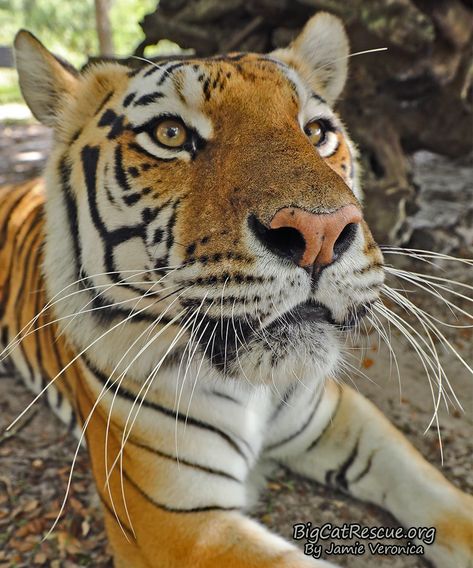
(52, 515)
(40, 558)
(37, 463)
(22, 531)
(85, 526)
(73, 547)
(76, 505)
(21, 545)
(31, 505)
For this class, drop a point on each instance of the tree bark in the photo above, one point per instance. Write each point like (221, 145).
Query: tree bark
(104, 29)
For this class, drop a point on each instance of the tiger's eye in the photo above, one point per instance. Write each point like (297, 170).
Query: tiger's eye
(315, 132)
(171, 133)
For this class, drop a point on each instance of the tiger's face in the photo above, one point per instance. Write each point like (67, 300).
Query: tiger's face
(213, 203)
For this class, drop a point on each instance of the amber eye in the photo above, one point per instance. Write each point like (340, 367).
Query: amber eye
(171, 133)
(315, 130)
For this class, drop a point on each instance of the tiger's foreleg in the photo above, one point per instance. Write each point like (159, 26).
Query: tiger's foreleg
(353, 447)
(146, 534)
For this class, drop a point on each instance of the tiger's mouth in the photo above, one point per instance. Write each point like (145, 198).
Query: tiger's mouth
(306, 312)
(227, 341)
(312, 311)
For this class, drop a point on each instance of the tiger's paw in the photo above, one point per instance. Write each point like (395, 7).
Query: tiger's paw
(453, 546)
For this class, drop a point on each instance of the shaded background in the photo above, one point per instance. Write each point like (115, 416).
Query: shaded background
(410, 111)
(415, 97)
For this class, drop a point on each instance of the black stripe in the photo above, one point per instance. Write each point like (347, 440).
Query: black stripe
(111, 239)
(55, 347)
(71, 207)
(132, 198)
(46, 331)
(162, 506)
(148, 99)
(237, 277)
(4, 336)
(338, 476)
(283, 402)
(60, 399)
(72, 420)
(120, 173)
(168, 71)
(154, 69)
(115, 516)
(205, 88)
(134, 72)
(159, 263)
(26, 265)
(8, 215)
(126, 394)
(105, 313)
(329, 421)
(148, 215)
(369, 267)
(8, 281)
(301, 429)
(365, 470)
(118, 127)
(109, 195)
(180, 461)
(37, 324)
(225, 396)
(75, 137)
(317, 97)
(129, 99)
(107, 118)
(104, 102)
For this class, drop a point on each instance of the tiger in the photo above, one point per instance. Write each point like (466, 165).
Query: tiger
(182, 280)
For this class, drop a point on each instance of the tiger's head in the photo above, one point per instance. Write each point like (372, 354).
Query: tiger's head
(205, 210)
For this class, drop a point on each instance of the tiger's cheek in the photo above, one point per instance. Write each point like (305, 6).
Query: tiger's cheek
(341, 161)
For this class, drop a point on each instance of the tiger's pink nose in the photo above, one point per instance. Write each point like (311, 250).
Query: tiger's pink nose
(325, 235)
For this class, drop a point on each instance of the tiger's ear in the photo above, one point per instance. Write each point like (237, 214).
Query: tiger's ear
(323, 48)
(45, 81)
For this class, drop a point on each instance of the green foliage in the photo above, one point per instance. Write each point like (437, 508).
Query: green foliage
(9, 88)
(125, 16)
(67, 27)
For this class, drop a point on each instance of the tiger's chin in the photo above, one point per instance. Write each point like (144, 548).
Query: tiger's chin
(307, 349)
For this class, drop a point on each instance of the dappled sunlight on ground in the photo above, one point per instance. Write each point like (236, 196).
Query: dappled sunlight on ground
(23, 150)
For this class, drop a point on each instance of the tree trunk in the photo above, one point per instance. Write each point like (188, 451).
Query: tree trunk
(104, 30)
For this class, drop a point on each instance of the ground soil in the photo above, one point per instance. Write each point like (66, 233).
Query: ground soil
(36, 456)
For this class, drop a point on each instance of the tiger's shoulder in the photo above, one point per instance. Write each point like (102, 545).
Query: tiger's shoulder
(21, 210)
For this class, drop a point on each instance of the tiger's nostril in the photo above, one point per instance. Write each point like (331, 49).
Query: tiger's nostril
(345, 238)
(285, 242)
